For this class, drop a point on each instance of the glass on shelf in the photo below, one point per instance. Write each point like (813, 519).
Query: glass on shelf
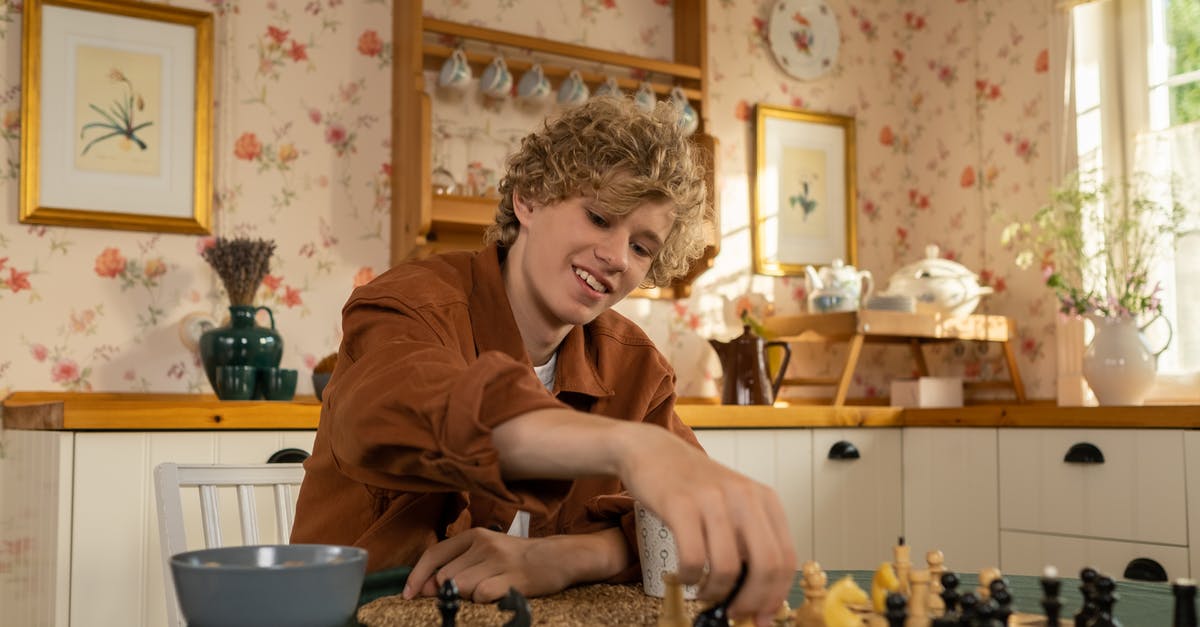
(443, 182)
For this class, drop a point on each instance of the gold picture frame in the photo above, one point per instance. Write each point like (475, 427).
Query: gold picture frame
(802, 212)
(116, 115)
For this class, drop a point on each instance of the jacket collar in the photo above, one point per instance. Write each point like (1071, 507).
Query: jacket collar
(495, 329)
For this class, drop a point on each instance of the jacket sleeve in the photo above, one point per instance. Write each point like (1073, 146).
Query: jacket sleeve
(410, 412)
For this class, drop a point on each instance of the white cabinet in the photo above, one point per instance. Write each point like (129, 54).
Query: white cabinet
(950, 495)
(83, 504)
(780, 458)
(1119, 492)
(857, 512)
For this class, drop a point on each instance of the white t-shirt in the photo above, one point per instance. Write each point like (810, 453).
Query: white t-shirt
(545, 374)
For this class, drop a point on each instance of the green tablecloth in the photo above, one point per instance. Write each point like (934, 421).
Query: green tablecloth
(1140, 604)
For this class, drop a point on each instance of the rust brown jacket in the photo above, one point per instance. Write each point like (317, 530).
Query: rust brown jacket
(431, 361)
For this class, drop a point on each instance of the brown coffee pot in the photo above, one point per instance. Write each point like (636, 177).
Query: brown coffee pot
(747, 378)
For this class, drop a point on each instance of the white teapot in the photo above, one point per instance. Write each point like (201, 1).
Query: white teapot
(837, 287)
(940, 286)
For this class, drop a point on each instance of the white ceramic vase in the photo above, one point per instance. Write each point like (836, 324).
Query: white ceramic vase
(1117, 363)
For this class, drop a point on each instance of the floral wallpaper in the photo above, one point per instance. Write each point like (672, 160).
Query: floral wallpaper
(950, 97)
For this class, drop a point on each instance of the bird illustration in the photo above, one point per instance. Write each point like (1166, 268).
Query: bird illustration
(807, 204)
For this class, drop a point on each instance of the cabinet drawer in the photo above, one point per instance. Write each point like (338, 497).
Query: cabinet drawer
(1136, 494)
(1029, 554)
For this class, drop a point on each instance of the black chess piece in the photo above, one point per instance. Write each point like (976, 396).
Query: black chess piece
(516, 603)
(1106, 597)
(1087, 588)
(1185, 603)
(897, 609)
(1001, 599)
(448, 602)
(968, 609)
(949, 593)
(718, 615)
(1050, 603)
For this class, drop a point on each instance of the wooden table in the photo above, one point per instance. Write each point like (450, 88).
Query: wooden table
(894, 327)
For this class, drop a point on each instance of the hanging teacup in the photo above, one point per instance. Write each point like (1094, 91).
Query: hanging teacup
(534, 88)
(573, 90)
(689, 120)
(609, 88)
(455, 72)
(645, 97)
(496, 81)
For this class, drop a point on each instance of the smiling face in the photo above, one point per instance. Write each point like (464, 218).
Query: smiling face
(573, 260)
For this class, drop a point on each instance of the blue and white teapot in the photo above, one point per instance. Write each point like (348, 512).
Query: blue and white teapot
(837, 287)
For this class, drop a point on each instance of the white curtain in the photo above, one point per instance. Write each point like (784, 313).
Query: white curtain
(1176, 151)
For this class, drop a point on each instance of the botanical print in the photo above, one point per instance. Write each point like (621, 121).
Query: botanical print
(117, 111)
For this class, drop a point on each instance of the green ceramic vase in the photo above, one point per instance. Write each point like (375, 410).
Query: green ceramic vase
(241, 343)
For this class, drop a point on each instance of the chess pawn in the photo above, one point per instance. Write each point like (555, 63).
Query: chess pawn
(1106, 597)
(937, 565)
(1087, 587)
(897, 610)
(1185, 603)
(986, 576)
(949, 593)
(918, 602)
(1002, 600)
(812, 612)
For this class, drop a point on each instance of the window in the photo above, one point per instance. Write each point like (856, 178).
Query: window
(1137, 108)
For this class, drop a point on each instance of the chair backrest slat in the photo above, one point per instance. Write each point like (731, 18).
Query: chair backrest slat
(170, 478)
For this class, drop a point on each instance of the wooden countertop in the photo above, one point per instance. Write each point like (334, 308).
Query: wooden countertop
(81, 411)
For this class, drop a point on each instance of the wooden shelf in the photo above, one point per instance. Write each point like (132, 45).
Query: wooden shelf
(537, 44)
(423, 223)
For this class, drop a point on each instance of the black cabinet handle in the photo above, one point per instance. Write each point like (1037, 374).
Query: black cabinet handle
(843, 450)
(288, 456)
(1084, 453)
(1145, 569)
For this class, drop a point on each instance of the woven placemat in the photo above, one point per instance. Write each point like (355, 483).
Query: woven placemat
(584, 606)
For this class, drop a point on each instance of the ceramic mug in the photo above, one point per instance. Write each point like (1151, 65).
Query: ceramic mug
(235, 383)
(645, 97)
(277, 384)
(455, 72)
(573, 90)
(496, 81)
(533, 87)
(656, 546)
(609, 88)
(689, 120)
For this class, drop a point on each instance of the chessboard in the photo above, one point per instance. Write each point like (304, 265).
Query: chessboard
(898, 593)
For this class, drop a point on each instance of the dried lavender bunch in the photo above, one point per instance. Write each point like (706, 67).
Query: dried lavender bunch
(241, 263)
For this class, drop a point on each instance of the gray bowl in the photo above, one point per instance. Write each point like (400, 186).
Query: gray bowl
(320, 379)
(299, 585)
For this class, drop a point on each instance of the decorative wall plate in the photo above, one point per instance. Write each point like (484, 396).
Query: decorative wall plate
(803, 36)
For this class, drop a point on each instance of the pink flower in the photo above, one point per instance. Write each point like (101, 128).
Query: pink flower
(742, 111)
(272, 282)
(369, 43)
(364, 275)
(39, 352)
(297, 51)
(277, 35)
(64, 371)
(17, 281)
(886, 137)
(314, 115)
(291, 296)
(204, 243)
(110, 263)
(247, 147)
(1042, 64)
(335, 134)
(967, 179)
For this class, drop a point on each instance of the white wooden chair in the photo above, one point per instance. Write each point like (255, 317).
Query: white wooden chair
(170, 479)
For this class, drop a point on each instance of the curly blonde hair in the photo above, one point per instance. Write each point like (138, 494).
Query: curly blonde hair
(623, 156)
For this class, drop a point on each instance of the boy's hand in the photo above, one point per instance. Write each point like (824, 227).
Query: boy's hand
(484, 564)
(715, 514)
